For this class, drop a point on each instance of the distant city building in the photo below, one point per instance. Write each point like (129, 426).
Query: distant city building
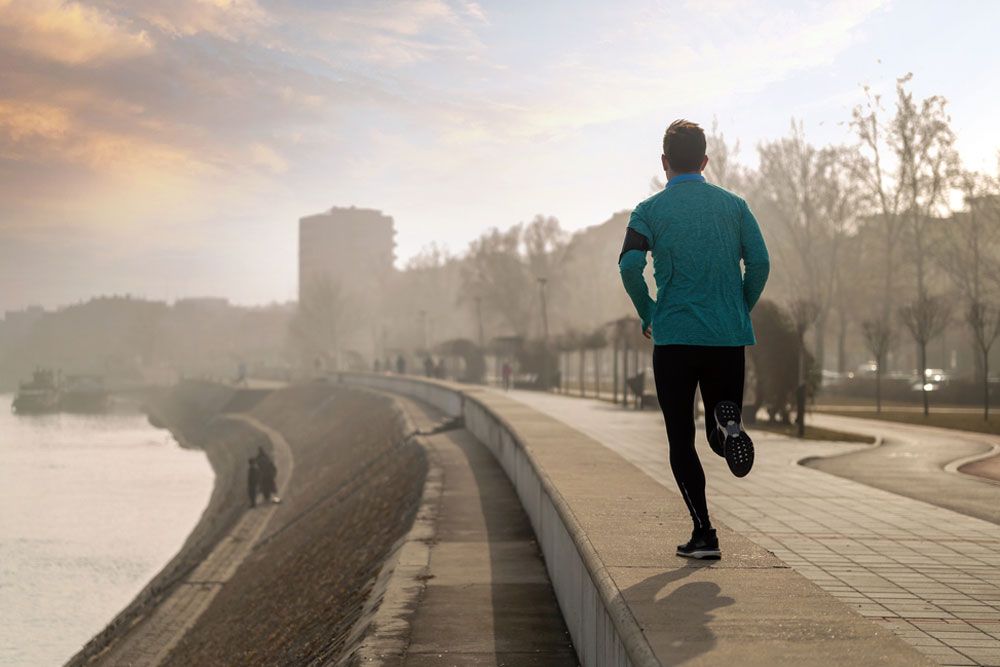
(17, 324)
(347, 245)
(25, 317)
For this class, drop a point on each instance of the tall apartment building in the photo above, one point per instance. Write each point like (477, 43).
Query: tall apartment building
(352, 246)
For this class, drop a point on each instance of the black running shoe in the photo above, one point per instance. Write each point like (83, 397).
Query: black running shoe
(716, 442)
(702, 545)
(737, 445)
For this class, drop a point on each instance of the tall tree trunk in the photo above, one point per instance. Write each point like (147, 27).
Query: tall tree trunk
(800, 393)
(923, 378)
(625, 374)
(878, 387)
(819, 336)
(977, 363)
(842, 344)
(986, 384)
(614, 372)
(597, 372)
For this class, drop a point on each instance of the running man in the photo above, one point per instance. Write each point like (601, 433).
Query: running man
(700, 319)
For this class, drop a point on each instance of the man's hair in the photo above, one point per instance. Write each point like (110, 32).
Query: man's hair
(684, 145)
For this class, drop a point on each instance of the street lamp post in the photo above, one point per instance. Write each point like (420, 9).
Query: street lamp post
(545, 313)
(479, 320)
(545, 332)
(423, 330)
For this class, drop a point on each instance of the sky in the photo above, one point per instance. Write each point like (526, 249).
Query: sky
(167, 148)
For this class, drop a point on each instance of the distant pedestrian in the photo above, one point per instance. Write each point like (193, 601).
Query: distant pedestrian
(401, 365)
(428, 366)
(377, 366)
(253, 480)
(507, 372)
(268, 476)
(439, 371)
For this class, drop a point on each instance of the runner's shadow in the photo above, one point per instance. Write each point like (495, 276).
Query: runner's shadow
(685, 612)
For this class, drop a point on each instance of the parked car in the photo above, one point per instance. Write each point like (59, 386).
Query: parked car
(936, 375)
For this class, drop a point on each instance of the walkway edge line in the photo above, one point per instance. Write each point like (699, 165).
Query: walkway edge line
(953, 466)
(387, 618)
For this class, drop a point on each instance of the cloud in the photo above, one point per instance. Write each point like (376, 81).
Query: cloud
(70, 33)
(22, 122)
(267, 157)
(668, 57)
(227, 19)
(147, 120)
(393, 34)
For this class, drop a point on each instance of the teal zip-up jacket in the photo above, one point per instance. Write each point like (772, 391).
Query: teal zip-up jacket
(698, 233)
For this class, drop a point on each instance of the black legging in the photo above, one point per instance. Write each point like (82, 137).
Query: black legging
(678, 370)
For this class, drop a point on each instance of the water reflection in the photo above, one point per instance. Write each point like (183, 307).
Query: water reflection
(91, 507)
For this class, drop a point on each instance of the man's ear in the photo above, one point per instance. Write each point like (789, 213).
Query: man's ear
(666, 165)
(704, 163)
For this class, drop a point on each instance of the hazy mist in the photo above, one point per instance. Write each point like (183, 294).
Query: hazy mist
(167, 149)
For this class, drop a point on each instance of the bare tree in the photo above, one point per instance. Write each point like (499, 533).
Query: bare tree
(814, 200)
(882, 185)
(984, 322)
(923, 144)
(919, 144)
(878, 334)
(723, 167)
(544, 242)
(969, 254)
(494, 271)
(324, 319)
(925, 318)
(502, 269)
(855, 285)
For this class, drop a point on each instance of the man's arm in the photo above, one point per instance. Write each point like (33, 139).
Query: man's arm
(631, 263)
(756, 263)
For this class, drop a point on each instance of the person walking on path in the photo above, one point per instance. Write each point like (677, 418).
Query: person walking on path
(268, 476)
(698, 234)
(253, 480)
(507, 372)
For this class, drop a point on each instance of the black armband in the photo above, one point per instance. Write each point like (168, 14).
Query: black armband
(633, 241)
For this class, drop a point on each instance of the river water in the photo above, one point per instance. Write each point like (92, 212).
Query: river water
(91, 508)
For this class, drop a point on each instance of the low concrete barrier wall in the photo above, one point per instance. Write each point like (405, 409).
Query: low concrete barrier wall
(603, 629)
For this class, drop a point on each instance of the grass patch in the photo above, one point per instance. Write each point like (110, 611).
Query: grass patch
(958, 421)
(812, 432)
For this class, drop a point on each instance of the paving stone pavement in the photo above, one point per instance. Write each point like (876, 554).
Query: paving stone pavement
(149, 643)
(930, 574)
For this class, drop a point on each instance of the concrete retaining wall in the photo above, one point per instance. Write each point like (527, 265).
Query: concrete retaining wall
(604, 630)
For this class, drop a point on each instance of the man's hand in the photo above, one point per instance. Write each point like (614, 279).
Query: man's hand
(648, 332)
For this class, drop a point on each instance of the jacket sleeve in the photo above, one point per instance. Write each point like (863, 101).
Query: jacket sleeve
(632, 262)
(756, 263)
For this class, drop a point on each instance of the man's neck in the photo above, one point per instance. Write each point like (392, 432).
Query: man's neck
(684, 176)
(670, 174)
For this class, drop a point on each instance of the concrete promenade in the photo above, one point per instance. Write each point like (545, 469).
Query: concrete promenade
(468, 586)
(930, 574)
